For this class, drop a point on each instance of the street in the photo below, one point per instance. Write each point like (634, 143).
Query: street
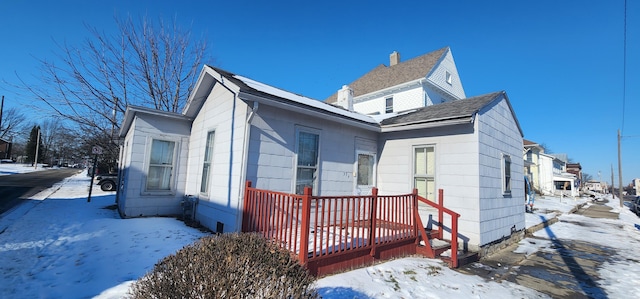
(19, 186)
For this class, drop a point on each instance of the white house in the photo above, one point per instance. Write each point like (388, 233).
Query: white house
(235, 129)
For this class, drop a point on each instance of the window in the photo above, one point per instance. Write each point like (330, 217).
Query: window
(424, 171)
(307, 161)
(388, 105)
(160, 165)
(365, 169)
(206, 164)
(506, 174)
(447, 76)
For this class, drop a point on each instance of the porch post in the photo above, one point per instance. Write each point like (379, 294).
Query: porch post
(454, 240)
(246, 207)
(373, 219)
(304, 234)
(417, 222)
(440, 213)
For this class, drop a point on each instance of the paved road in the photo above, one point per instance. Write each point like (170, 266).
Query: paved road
(15, 187)
(571, 272)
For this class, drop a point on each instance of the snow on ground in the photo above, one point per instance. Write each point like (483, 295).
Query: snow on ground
(620, 275)
(66, 247)
(13, 168)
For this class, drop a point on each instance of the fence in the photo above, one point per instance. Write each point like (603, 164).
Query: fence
(330, 233)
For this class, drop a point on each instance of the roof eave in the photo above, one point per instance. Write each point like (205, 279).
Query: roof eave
(428, 124)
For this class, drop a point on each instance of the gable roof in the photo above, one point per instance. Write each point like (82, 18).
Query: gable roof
(250, 90)
(132, 111)
(456, 112)
(383, 76)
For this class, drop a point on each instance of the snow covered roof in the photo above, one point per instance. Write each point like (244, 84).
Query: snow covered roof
(250, 86)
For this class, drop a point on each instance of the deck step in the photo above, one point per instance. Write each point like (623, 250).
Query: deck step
(464, 258)
(442, 246)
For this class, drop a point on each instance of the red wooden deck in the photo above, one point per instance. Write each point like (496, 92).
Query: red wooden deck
(336, 233)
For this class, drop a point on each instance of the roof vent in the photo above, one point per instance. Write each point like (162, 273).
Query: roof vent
(394, 58)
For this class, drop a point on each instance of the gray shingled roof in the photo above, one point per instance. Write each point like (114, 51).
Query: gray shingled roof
(384, 76)
(445, 111)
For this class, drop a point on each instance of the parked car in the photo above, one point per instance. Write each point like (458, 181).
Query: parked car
(635, 205)
(108, 182)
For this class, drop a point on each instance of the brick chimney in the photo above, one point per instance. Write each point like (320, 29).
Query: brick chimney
(345, 97)
(394, 58)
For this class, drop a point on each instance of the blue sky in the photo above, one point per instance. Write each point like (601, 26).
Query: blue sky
(560, 62)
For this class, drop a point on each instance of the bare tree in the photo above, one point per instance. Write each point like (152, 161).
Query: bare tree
(151, 64)
(13, 124)
(49, 133)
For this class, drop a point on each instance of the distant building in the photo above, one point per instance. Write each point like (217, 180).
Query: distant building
(595, 186)
(5, 149)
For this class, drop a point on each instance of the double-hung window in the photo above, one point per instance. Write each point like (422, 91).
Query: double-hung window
(424, 171)
(388, 105)
(307, 160)
(506, 175)
(161, 160)
(206, 164)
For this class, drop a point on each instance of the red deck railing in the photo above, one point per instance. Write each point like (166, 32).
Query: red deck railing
(328, 233)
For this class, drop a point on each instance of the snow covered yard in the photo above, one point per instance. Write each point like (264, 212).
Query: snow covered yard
(66, 247)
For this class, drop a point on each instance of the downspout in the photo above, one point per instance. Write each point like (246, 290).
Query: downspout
(243, 167)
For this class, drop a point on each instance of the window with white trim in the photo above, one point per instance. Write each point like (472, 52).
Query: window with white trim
(307, 149)
(161, 162)
(448, 77)
(424, 171)
(506, 174)
(206, 164)
(388, 105)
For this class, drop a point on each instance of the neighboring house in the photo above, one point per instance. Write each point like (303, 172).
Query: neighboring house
(563, 182)
(549, 173)
(235, 129)
(5, 149)
(576, 170)
(532, 161)
(596, 186)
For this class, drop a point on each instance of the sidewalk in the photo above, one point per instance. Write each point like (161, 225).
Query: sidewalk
(565, 268)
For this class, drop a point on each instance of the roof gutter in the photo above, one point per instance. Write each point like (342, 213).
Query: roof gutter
(427, 125)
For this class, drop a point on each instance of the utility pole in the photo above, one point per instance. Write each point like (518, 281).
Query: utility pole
(37, 149)
(613, 186)
(1, 109)
(620, 172)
